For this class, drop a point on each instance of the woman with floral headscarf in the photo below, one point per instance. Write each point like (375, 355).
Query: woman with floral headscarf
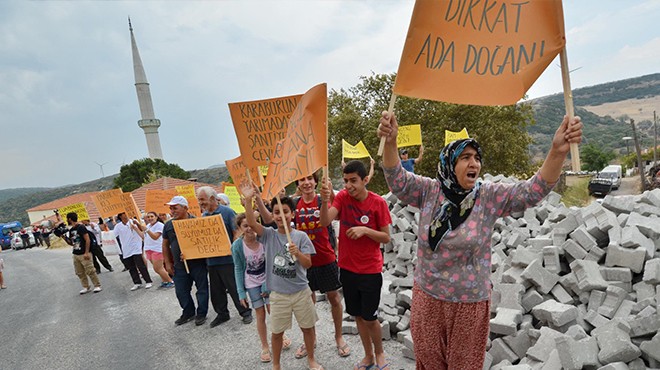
(451, 294)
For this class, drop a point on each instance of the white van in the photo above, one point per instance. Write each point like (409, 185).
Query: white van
(612, 173)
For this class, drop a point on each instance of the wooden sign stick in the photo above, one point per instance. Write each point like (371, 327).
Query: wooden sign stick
(568, 101)
(286, 227)
(381, 147)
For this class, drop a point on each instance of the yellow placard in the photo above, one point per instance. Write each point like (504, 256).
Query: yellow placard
(354, 151)
(234, 198)
(113, 202)
(202, 237)
(305, 146)
(77, 208)
(478, 52)
(453, 135)
(409, 136)
(263, 170)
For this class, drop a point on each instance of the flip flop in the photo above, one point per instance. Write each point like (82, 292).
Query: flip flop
(359, 366)
(286, 343)
(384, 367)
(265, 356)
(343, 351)
(302, 351)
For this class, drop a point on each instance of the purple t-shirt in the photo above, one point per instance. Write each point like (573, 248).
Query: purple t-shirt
(459, 269)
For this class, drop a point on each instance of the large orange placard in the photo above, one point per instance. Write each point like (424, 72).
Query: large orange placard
(478, 52)
(202, 237)
(113, 202)
(259, 125)
(156, 199)
(305, 147)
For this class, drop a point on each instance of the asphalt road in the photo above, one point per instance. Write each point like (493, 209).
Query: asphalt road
(46, 324)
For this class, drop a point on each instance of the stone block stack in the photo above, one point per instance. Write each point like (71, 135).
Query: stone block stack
(573, 288)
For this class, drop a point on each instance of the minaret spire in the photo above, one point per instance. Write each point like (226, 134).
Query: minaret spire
(148, 123)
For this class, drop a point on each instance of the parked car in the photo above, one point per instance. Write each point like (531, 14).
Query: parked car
(17, 241)
(600, 186)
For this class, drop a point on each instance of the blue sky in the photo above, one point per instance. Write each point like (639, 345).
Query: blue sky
(67, 99)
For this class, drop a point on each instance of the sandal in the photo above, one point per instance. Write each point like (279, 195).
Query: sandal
(302, 351)
(265, 356)
(343, 351)
(359, 366)
(286, 342)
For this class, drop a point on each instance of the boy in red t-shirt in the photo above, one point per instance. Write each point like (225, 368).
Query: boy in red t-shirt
(364, 224)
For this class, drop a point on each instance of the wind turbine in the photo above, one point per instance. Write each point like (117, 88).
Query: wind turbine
(101, 167)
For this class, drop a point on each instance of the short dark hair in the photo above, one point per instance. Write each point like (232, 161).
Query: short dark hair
(73, 216)
(356, 167)
(314, 175)
(239, 219)
(285, 200)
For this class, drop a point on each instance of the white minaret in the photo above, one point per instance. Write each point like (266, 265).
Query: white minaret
(148, 123)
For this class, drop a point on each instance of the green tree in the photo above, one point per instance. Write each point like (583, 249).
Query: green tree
(501, 131)
(594, 158)
(146, 170)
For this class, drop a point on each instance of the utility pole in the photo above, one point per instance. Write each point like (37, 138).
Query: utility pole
(640, 163)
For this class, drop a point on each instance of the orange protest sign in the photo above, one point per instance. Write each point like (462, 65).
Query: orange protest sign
(156, 199)
(188, 192)
(237, 171)
(202, 237)
(259, 124)
(305, 147)
(481, 53)
(113, 202)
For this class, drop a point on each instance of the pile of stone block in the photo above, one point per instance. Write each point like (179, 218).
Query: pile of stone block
(573, 288)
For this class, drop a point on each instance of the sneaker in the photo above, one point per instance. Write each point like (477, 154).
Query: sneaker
(183, 319)
(148, 285)
(200, 320)
(218, 320)
(162, 285)
(97, 289)
(170, 284)
(135, 287)
(247, 319)
(111, 270)
(85, 291)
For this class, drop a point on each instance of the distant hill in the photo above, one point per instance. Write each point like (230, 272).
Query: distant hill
(13, 207)
(616, 98)
(6, 194)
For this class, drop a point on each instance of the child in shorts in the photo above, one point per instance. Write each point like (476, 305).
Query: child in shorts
(286, 275)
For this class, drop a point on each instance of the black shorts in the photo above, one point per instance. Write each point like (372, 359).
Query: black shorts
(361, 293)
(324, 278)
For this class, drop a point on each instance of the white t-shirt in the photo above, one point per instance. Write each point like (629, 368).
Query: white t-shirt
(131, 243)
(150, 244)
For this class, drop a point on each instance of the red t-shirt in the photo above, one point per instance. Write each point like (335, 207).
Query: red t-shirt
(361, 256)
(308, 220)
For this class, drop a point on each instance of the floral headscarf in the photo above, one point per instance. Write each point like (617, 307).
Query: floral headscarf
(458, 202)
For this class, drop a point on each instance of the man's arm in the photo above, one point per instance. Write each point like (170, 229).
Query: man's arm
(418, 160)
(87, 246)
(168, 259)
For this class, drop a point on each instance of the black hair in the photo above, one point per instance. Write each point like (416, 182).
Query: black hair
(239, 218)
(73, 216)
(285, 201)
(157, 217)
(356, 167)
(100, 221)
(314, 175)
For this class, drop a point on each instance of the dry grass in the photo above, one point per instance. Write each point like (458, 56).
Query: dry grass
(577, 192)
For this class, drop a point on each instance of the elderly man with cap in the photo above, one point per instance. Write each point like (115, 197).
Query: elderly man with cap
(409, 164)
(183, 280)
(221, 269)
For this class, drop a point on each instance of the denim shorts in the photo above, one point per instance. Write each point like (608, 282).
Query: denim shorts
(256, 298)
